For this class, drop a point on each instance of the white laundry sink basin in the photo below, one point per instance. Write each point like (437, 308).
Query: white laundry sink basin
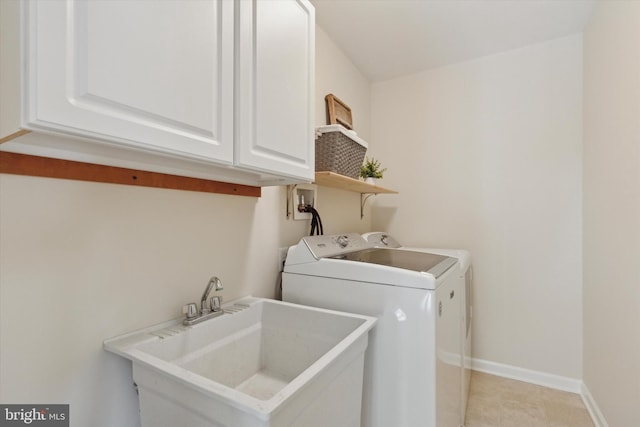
(262, 363)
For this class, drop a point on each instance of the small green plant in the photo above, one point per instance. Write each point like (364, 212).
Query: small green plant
(371, 169)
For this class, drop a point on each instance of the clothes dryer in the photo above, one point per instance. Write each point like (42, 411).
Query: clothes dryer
(412, 365)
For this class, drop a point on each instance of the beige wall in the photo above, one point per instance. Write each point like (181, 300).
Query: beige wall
(612, 211)
(336, 74)
(81, 262)
(486, 155)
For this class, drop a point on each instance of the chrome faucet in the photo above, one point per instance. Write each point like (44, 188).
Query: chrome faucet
(214, 284)
(190, 310)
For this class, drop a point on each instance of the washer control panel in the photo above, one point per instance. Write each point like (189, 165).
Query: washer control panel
(331, 245)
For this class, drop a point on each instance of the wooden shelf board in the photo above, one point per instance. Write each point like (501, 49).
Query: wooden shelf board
(22, 164)
(334, 180)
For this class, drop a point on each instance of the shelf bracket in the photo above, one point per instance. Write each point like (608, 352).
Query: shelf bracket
(363, 201)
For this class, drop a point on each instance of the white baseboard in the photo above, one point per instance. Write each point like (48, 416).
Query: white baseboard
(592, 407)
(527, 375)
(546, 380)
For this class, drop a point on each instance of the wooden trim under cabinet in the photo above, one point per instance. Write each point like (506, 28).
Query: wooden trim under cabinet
(22, 164)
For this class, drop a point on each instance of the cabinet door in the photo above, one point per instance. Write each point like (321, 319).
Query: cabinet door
(274, 128)
(154, 75)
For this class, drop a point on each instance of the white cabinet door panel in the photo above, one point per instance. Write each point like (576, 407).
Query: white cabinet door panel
(134, 72)
(276, 87)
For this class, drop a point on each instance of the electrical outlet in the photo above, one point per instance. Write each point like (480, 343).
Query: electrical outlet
(282, 256)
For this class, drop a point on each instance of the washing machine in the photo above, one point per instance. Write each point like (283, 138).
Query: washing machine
(412, 365)
(382, 239)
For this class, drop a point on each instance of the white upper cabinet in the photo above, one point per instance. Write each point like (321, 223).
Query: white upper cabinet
(208, 88)
(151, 74)
(276, 87)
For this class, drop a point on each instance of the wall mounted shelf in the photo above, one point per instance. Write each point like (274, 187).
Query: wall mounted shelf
(334, 180)
(366, 190)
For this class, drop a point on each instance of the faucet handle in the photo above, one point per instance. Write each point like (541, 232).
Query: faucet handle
(216, 303)
(190, 310)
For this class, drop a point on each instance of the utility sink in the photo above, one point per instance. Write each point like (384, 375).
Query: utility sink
(262, 363)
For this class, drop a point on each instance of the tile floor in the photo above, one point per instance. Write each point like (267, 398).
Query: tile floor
(501, 402)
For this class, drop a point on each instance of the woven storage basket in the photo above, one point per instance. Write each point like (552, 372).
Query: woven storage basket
(339, 150)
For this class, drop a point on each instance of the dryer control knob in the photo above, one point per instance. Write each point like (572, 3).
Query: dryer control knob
(342, 241)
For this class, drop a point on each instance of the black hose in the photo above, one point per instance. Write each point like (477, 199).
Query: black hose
(316, 222)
